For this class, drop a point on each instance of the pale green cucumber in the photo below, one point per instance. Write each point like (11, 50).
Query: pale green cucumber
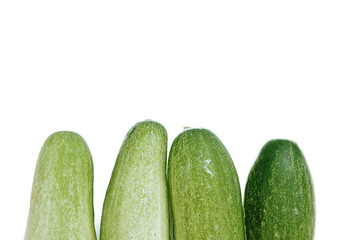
(61, 205)
(136, 203)
(204, 189)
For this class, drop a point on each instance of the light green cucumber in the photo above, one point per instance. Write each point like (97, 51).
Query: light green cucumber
(136, 203)
(279, 194)
(61, 205)
(204, 189)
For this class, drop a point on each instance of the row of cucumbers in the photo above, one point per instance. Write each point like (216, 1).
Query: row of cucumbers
(194, 195)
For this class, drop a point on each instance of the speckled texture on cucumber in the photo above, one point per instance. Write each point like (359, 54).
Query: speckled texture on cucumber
(61, 205)
(204, 188)
(136, 203)
(279, 195)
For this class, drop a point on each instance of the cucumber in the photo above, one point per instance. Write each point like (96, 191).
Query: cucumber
(204, 188)
(136, 203)
(279, 194)
(61, 205)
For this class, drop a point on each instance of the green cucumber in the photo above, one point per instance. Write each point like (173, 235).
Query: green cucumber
(279, 194)
(61, 205)
(204, 188)
(136, 203)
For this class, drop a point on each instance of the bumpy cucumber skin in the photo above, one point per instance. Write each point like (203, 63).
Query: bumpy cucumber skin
(61, 205)
(136, 203)
(204, 188)
(279, 195)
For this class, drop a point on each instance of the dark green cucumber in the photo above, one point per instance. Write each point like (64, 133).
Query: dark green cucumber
(279, 195)
(136, 203)
(204, 188)
(61, 205)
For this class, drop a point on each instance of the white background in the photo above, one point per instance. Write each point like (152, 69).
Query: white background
(250, 71)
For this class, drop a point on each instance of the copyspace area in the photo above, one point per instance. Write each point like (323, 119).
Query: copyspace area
(248, 71)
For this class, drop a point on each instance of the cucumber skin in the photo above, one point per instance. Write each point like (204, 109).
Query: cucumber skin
(136, 203)
(279, 195)
(204, 188)
(61, 205)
